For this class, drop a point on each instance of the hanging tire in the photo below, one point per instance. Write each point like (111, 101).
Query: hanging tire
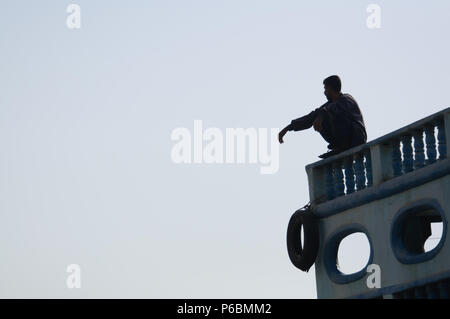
(303, 257)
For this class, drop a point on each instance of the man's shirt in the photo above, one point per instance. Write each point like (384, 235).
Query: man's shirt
(345, 114)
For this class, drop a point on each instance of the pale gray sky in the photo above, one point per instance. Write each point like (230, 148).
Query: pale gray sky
(86, 115)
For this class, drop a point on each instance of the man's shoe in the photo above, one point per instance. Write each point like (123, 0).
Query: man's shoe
(329, 153)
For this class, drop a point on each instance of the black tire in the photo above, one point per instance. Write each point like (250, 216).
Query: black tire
(303, 258)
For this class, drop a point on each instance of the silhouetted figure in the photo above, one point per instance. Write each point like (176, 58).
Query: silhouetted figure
(339, 121)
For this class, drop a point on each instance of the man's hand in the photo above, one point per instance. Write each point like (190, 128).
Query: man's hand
(318, 123)
(281, 135)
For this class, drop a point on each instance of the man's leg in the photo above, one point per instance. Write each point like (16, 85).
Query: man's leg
(358, 137)
(327, 131)
(338, 134)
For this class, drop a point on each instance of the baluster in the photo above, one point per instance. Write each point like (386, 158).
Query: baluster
(368, 168)
(431, 144)
(419, 154)
(442, 142)
(349, 175)
(359, 170)
(338, 178)
(407, 154)
(396, 158)
(329, 185)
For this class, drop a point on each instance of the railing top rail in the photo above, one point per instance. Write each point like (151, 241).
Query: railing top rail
(381, 140)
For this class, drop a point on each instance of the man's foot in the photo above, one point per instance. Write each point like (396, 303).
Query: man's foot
(329, 153)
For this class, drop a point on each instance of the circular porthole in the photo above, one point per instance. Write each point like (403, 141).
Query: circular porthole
(353, 253)
(347, 253)
(418, 231)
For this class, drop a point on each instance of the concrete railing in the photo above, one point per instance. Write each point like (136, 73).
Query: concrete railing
(407, 149)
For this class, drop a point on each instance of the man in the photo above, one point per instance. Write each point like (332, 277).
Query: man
(339, 121)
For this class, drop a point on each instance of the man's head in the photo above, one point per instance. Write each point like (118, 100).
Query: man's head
(332, 85)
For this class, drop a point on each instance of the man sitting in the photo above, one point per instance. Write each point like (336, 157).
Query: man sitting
(339, 121)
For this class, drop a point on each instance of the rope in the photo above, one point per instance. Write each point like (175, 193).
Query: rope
(310, 205)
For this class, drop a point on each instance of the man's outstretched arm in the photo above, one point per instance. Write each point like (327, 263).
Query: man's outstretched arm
(302, 123)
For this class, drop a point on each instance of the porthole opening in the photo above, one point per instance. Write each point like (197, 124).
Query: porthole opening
(353, 253)
(422, 231)
(418, 231)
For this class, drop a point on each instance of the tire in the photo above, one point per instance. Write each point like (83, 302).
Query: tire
(303, 258)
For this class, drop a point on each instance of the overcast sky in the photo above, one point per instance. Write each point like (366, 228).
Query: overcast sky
(86, 117)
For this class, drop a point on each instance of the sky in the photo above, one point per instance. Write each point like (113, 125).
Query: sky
(87, 115)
